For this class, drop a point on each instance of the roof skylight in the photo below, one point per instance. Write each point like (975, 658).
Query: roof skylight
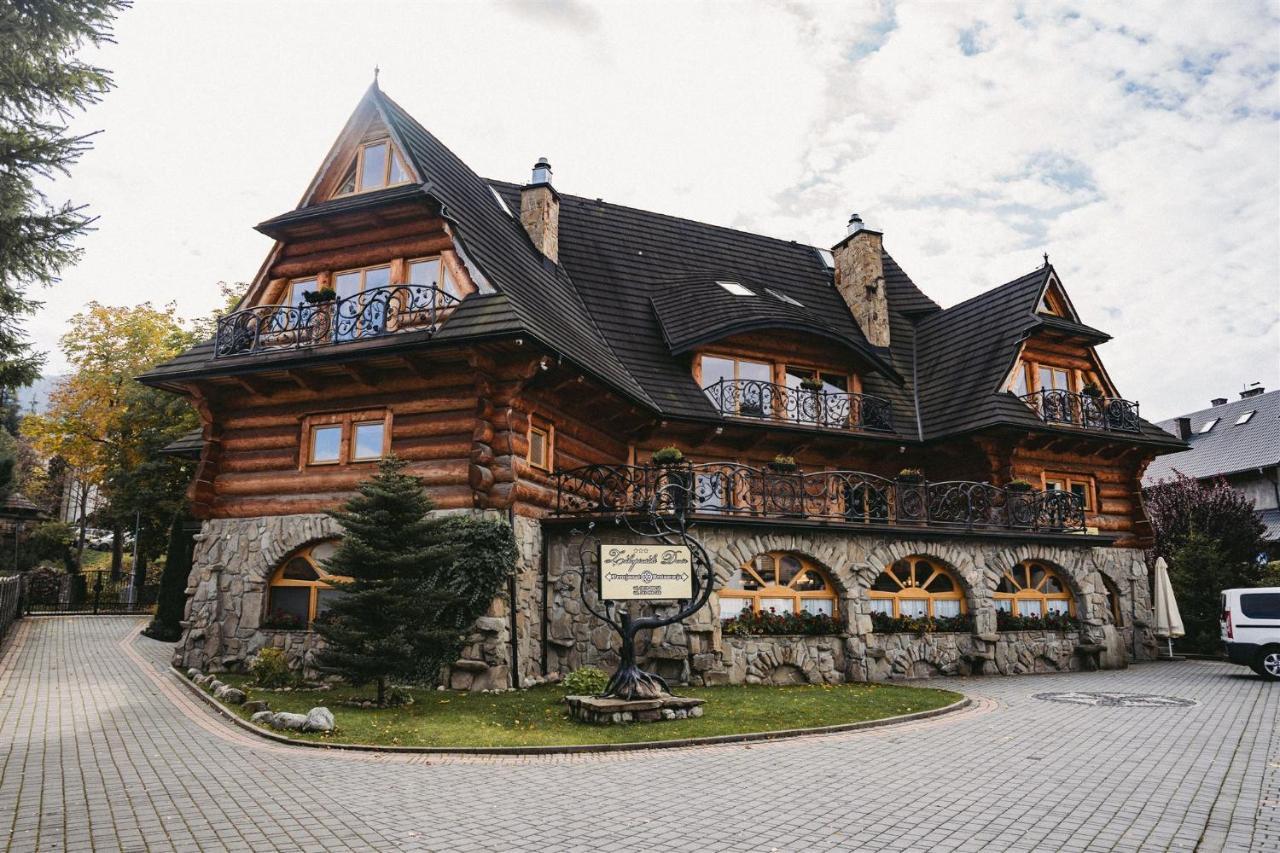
(1244, 419)
(502, 203)
(1208, 425)
(735, 288)
(783, 297)
(828, 260)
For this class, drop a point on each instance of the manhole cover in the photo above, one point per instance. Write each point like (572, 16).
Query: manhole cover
(1117, 700)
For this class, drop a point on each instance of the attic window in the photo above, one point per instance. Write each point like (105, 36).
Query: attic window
(828, 259)
(1244, 419)
(782, 297)
(376, 165)
(735, 288)
(1208, 425)
(501, 203)
(1051, 304)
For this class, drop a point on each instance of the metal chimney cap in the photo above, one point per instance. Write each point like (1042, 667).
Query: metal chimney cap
(541, 171)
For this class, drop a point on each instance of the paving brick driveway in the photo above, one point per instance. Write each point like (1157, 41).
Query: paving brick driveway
(101, 749)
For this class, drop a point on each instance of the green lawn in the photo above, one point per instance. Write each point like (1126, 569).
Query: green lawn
(537, 717)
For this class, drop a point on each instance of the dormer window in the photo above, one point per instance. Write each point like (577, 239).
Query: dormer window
(377, 165)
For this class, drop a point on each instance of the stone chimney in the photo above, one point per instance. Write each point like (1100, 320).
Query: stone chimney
(859, 274)
(1184, 428)
(540, 211)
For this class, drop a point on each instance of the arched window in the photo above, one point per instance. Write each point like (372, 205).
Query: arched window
(299, 590)
(1032, 588)
(783, 583)
(1113, 600)
(916, 587)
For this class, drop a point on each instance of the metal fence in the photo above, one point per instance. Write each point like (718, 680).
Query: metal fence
(10, 601)
(88, 592)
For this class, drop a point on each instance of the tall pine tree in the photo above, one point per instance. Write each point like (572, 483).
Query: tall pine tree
(42, 83)
(417, 583)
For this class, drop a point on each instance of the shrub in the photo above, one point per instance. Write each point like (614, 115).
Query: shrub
(270, 669)
(668, 456)
(44, 584)
(771, 622)
(882, 623)
(586, 681)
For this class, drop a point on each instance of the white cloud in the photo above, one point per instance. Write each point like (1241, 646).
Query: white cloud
(1135, 143)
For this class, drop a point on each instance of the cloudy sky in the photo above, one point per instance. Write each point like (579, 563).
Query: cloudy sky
(1137, 143)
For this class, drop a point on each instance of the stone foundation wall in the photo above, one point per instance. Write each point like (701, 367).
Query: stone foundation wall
(698, 653)
(227, 598)
(234, 558)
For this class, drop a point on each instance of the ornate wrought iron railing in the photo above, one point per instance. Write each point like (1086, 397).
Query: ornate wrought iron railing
(755, 398)
(1084, 410)
(733, 490)
(369, 314)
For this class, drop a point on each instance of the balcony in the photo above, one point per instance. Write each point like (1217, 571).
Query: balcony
(754, 398)
(372, 313)
(1109, 414)
(730, 490)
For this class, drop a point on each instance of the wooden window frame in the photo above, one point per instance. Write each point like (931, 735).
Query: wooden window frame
(393, 152)
(323, 580)
(916, 591)
(756, 596)
(389, 266)
(347, 421)
(1069, 480)
(547, 430)
(1024, 592)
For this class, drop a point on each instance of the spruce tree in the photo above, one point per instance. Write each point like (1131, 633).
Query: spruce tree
(41, 84)
(417, 584)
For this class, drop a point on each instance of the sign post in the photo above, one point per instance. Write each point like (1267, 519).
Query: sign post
(669, 567)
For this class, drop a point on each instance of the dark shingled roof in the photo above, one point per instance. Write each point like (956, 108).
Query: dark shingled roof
(720, 314)
(1228, 447)
(634, 290)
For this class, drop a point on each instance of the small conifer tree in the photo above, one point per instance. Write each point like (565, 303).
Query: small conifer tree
(417, 583)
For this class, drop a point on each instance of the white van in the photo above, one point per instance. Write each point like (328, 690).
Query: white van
(1251, 629)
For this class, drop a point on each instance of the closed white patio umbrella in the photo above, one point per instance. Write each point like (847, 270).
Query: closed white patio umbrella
(1168, 619)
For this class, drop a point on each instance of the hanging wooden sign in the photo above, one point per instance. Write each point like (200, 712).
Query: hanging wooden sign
(646, 572)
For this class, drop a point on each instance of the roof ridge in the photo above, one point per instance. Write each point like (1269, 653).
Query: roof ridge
(587, 200)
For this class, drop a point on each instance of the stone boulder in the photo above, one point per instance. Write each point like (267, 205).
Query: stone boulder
(232, 696)
(318, 720)
(261, 718)
(287, 721)
(255, 706)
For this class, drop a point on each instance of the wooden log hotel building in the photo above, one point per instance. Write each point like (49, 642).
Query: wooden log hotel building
(527, 352)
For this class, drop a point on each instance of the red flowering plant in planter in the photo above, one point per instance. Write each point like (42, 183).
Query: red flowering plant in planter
(883, 623)
(279, 620)
(770, 622)
(1006, 621)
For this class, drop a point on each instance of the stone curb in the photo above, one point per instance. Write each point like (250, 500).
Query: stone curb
(747, 737)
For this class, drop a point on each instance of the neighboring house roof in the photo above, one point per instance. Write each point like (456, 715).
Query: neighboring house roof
(635, 290)
(188, 444)
(18, 505)
(1270, 519)
(1229, 447)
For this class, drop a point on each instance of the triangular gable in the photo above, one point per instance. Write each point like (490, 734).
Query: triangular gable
(1054, 301)
(367, 125)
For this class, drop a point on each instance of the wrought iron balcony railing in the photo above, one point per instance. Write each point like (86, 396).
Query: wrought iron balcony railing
(739, 491)
(755, 398)
(1084, 410)
(369, 314)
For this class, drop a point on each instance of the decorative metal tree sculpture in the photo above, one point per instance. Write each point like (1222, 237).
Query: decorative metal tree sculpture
(662, 522)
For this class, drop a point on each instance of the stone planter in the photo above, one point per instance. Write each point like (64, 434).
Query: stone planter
(1019, 652)
(900, 656)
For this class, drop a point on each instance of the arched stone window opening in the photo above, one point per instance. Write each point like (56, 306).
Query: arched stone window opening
(1034, 589)
(1113, 601)
(917, 587)
(300, 590)
(781, 582)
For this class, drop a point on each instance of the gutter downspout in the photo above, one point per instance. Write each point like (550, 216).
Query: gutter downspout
(546, 604)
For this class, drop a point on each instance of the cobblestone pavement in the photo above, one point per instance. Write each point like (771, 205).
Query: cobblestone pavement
(102, 749)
